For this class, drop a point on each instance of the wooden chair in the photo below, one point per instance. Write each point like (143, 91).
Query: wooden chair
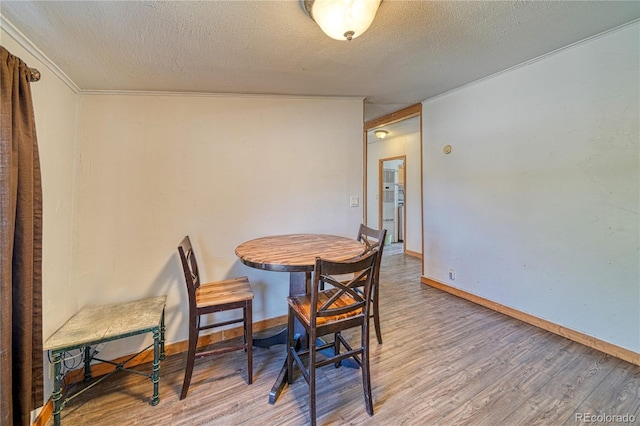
(374, 239)
(213, 297)
(332, 311)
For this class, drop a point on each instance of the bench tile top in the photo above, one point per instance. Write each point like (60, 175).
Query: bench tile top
(96, 323)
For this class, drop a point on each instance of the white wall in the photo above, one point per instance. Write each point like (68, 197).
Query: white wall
(222, 169)
(55, 107)
(537, 206)
(404, 144)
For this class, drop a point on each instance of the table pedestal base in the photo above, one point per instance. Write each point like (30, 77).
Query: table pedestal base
(280, 338)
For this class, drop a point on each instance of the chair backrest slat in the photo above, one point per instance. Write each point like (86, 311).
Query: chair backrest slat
(343, 297)
(189, 267)
(373, 239)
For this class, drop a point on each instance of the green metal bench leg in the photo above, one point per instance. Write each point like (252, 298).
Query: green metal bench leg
(155, 378)
(57, 387)
(162, 330)
(87, 363)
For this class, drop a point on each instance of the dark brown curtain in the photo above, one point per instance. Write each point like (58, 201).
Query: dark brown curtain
(21, 369)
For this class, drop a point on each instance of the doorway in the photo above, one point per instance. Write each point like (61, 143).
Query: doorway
(402, 138)
(391, 198)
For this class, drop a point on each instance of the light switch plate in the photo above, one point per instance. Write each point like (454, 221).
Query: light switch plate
(354, 201)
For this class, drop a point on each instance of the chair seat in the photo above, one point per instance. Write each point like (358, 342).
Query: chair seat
(302, 305)
(223, 292)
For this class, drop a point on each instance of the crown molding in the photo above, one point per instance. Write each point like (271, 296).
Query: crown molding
(531, 61)
(23, 41)
(215, 95)
(32, 49)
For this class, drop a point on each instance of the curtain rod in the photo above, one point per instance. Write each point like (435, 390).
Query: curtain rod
(35, 75)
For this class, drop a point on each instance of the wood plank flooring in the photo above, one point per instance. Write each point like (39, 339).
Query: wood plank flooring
(444, 361)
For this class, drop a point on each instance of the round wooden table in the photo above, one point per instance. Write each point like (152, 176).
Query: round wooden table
(296, 254)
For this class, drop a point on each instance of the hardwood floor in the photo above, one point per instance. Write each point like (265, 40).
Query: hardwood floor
(444, 361)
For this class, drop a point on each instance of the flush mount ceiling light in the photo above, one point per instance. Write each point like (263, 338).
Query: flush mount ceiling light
(381, 134)
(342, 19)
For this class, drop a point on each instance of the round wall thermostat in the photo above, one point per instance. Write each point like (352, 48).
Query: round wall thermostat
(447, 149)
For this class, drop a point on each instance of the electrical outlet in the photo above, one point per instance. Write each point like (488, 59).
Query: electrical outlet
(452, 274)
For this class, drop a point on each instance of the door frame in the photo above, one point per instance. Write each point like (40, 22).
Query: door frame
(411, 111)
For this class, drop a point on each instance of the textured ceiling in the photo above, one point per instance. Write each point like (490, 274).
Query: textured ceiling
(413, 50)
